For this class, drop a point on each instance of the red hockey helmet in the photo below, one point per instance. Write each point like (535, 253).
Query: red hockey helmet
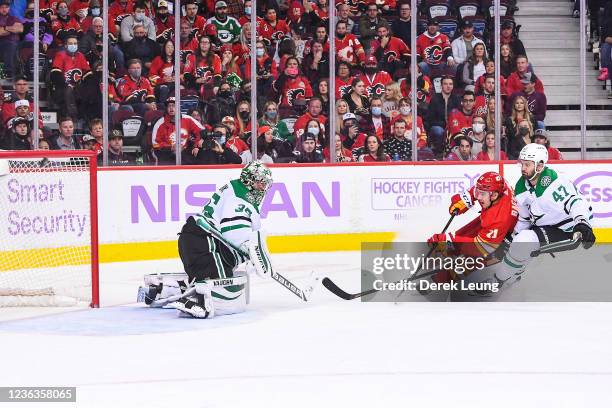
(490, 182)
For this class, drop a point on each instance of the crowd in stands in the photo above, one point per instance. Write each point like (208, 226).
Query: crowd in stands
(455, 80)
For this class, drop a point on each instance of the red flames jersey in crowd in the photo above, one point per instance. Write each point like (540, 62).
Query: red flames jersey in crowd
(165, 31)
(393, 51)
(73, 67)
(201, 69)
(459, 122)
(159, 69)
(432, 50)
(343, 87)
(350, 49)
(302, 121)
(164, 136)
(480, 105)
(270, 33)
(424, 92)
(295, 88)
(77, 5)
(188, 49)
(482, 235)
(131, 91)
(61, 28)
(237, 145)
(375, 85)
(198, 25)
(116, 14)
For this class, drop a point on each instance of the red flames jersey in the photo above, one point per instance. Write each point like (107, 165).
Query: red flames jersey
(164, 136)
(197, 28)
(165, 31)
(480, 105)
(130, 91)
(375, 85)
(432, 50)
(159, 69)
(270, 33)
(393, 51)
(459, 122)
(188, 49)
(201, 69)
(350, 49)
(482, 236)
(295, 88)
(61, 28)
(343, 87)
(73, 67)
(116, 14)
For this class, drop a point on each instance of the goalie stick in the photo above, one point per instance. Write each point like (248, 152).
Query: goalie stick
(335, 289)
(302, 294)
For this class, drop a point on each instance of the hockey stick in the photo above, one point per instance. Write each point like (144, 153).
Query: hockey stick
(302, 294)
(333, 288)
(561, 246)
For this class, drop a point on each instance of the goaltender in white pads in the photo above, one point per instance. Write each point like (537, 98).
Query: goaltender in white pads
(212, 245)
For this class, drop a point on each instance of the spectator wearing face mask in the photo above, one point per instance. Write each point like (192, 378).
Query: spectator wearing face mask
(117, 11)
(477, 135)
(81, 12)
(142, 47)
(291, 85)
(519, 137)
(28, 30)
(138, 18)
(377, 123)
(314, 112)
(64, 25)
(406, 116)
(68, 71)
(134, 91)
(164, 22)
(279, 128)
(243, 119)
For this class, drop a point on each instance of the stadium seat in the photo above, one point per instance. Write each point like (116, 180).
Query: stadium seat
(467, 8)
(437, 8)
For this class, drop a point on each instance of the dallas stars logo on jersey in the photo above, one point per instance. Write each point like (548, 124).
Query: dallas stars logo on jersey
(228, 31)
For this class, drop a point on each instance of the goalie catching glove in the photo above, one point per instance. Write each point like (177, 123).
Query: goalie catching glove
(460, 203)
(259, 257)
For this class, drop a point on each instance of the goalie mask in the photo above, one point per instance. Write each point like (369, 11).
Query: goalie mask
(257, 178)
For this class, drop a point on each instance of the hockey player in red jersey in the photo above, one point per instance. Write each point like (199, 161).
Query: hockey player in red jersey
(434, 48)
(481, 236)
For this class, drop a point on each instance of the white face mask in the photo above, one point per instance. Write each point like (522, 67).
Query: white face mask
(139, 16)
(405, 110)
(478, 127)
(314, 131)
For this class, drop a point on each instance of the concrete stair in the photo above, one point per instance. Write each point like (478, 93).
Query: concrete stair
(551, 37)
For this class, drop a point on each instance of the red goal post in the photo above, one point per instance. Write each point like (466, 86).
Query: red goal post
(48, 228)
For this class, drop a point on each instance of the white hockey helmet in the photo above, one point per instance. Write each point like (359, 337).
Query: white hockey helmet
(534, 152)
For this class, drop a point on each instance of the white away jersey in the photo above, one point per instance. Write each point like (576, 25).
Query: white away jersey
(231, 212)
(553, 201)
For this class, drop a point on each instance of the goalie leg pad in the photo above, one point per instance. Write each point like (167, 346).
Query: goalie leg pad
(229, 296)
(259, 255)
(161, 289)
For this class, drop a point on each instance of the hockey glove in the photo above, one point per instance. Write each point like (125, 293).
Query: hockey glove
(588, 238)
(443, 242)
(460, 203)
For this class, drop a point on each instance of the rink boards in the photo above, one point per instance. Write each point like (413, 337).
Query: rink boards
(313, 208)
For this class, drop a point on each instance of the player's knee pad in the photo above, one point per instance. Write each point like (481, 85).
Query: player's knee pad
(229, 295)
(163, 288)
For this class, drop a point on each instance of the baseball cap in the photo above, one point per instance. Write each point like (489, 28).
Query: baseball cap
(88, 138)
(433, 21)
(220, 4)
(22, 102)
(309, 136)
(528, 78)
(19, 121)
(371, 60)
(162, 3)
(171, 99)
(541, 133)
(349, 116)
(468, 23)
(116, 133)
(507, 24)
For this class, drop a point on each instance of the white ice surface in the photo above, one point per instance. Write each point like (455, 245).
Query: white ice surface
(325, 353)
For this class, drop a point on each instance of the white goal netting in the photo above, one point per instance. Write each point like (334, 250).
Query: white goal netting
(45, 231)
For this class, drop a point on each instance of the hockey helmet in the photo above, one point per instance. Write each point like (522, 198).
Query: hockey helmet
(534, 152)
(490, 182)
(256, 172)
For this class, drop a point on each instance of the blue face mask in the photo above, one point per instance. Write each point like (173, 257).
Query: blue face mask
(271, 114)
(72, 48)
(95, 12)
(247, 11)
(376, 110)
(220, 140)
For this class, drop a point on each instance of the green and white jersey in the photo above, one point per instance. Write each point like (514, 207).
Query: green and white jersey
(228, 31)
(553, 201)
(232, 212)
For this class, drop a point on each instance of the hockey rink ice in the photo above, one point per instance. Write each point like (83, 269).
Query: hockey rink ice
(325, 353)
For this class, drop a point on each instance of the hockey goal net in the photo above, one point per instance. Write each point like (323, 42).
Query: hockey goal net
(48, 228)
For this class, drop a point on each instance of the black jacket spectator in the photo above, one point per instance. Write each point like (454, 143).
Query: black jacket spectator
(144, 49)
(439, 109)
(208, 156)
